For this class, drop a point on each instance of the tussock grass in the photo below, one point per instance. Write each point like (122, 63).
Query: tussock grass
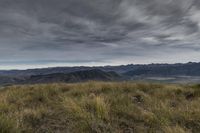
(100, 107)
(7, 125)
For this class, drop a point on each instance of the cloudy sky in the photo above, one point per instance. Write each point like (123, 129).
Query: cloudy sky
(45, 33)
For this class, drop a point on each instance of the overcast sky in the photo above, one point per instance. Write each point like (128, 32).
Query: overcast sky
(46, 33)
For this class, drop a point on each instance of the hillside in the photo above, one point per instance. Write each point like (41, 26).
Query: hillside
(100, 107)
(189, 69)
(77, 76)
(169, 73)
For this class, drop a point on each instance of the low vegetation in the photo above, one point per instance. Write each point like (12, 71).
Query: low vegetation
(100, 107)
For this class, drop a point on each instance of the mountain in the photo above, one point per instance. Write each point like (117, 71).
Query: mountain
(172, 72)
(78, 76)
(189, 69)
(6, 80)
(44, 71)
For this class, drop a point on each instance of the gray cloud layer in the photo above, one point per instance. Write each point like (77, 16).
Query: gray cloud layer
(97, 32)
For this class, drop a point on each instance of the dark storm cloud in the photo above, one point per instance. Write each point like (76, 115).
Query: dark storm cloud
(111, 31)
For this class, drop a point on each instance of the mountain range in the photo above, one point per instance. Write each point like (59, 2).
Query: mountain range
(168, 72)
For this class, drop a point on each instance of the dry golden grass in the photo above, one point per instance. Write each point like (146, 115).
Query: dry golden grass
(100, 107)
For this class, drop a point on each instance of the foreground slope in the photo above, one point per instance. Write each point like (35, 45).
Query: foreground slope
(100, 107)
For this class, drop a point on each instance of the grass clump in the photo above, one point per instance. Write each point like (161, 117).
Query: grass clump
(7, 125)
(101, 108)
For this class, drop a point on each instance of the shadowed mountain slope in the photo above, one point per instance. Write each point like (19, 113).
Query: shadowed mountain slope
(77, 76)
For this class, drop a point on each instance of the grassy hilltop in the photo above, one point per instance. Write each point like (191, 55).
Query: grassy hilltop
(100, 107)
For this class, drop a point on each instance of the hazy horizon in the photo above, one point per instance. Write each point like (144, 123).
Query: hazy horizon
(26, 67)
(51, 33)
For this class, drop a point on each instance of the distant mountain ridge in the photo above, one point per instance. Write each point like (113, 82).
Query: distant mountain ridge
(78, 76)
(190, 68)
(104, 73)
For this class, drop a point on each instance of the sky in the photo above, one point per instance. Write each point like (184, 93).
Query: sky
(48, 33)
